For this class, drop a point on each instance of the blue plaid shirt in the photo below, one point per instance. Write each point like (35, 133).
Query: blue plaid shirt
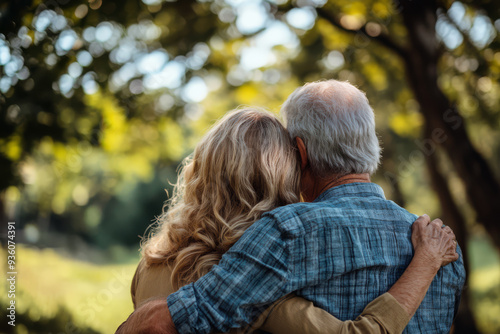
(342, 251)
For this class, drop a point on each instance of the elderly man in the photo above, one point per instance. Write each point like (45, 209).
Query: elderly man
(342, 248)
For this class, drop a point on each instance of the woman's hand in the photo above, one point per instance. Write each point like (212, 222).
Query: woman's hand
(435, 246)
(434, 242)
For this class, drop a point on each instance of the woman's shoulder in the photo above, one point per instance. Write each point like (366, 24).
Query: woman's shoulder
(151, 280)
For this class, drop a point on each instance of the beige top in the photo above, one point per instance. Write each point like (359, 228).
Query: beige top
(290, 314)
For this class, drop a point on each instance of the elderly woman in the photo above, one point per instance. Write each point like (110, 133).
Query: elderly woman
(244, 166)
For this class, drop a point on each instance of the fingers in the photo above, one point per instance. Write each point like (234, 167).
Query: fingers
(447, 229)
(423, 219)
(437, 223)
(421, 222)
(447, 259)
(444, 229)
(451, 254)
(434, 239)
(451, 245)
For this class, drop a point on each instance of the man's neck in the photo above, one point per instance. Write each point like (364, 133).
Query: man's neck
(338, 180)
(322, 184)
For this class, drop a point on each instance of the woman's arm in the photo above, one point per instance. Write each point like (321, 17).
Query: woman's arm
(390, 313)
(434, 246)
(150, 282)
(298, 315)
(133, 285)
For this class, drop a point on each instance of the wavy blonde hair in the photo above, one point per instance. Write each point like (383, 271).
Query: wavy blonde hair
(244, 166)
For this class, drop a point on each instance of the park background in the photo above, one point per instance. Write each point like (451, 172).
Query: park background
(100, 101)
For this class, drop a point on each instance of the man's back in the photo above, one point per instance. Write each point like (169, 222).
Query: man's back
(362, 246)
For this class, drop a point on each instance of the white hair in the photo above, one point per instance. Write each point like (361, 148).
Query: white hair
(337, 125)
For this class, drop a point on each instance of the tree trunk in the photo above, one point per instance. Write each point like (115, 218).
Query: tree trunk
(390, 175)
(447, 126)
(464, 322)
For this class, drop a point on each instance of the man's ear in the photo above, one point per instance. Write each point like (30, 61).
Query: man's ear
(303, 153)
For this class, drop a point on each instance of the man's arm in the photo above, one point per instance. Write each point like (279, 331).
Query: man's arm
(250, 276)
(254, 273)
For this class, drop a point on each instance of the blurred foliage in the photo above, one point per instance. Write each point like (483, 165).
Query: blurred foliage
(100, 100)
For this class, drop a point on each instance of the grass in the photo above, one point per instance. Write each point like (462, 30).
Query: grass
(96, 296)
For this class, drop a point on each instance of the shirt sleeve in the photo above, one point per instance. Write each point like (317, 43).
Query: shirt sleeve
(384, 315)
(253, 274)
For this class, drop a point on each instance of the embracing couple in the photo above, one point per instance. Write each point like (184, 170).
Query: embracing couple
(278, 229)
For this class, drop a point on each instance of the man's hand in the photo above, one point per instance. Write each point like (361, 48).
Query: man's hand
(152, 317)
(434, 241)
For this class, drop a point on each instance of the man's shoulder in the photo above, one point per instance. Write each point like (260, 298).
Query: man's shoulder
(301, 209)
(305, 211)
(303, 217)
(293, 219)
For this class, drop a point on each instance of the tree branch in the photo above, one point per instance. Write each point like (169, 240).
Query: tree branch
(382, 38)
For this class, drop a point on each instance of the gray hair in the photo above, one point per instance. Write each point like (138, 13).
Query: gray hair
(337, 125)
